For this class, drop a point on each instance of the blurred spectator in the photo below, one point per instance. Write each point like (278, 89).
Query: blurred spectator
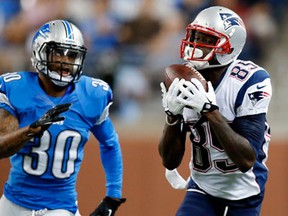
(19, 26)
(32, 15)
(131, 90)
(190, 8)
(126, 11)
(8, 9)
(260, 25)
(130, 44)
(131, 81)
(100, 28)
(135, 36)
(262, 28)
(164, 49)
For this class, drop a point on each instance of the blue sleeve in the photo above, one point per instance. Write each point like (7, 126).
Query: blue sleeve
(252, 128)
(4, 100)
(111, 157)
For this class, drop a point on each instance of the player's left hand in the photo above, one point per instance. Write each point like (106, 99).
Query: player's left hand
(169, 102)
(194, 96)
(108, 206)
(51, 116)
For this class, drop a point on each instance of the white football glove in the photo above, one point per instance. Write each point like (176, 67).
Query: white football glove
(169, 98)
(194, 96)
(176, 180)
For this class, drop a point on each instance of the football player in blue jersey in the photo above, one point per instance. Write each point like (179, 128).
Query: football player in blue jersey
(46, 117)
(227, 123)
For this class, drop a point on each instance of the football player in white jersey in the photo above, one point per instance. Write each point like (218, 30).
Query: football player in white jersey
(46, 118)
(227, 124)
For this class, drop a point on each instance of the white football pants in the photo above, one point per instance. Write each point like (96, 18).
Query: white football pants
(7, 208)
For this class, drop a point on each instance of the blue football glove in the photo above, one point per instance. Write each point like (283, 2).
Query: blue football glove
(108, 207)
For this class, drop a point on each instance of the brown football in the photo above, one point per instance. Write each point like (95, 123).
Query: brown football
(182, 71)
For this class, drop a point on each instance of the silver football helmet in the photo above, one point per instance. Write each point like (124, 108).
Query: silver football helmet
(58, 51)
(219, 22)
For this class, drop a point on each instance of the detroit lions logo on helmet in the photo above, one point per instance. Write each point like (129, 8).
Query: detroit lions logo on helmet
(43, 31)
(230, 20)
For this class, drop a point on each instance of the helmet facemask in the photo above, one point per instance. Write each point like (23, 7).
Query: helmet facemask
(58, 52)
(224, 25)
(62, 63)
(191, 50)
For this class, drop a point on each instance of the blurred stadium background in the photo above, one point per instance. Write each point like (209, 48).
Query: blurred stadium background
(129, 44)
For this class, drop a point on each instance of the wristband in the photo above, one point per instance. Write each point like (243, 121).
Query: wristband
(209, 107)
(169, 113)
(173, 123)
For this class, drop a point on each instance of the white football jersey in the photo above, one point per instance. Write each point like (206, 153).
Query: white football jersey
(244, 90)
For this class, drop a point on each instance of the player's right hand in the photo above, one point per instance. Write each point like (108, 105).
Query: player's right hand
(197, 98)
(108, 207)
(169, 98)
(51, 116)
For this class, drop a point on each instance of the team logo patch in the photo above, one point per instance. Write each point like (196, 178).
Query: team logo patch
(257, 96)
(43, 32)
(230, 20)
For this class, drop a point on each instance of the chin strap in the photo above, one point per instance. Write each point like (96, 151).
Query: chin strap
(197, 53)
(190, 52)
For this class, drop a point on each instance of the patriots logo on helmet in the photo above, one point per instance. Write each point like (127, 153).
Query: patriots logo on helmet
(43, 31)
(257, 96)
(230, 20)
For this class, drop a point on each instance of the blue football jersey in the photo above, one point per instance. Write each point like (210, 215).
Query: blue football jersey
(44, 171)
(244, 90)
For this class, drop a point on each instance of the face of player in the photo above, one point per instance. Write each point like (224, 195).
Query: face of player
(63, 61)
(206, 40)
